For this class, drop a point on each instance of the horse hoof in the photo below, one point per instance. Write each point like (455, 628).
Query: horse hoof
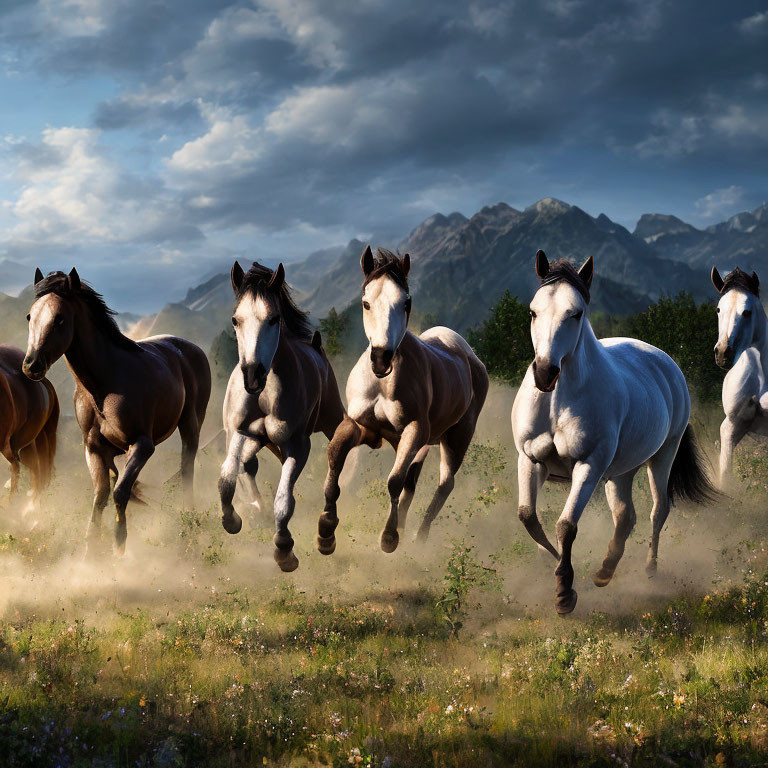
(650, 568)
(286, 560)
(326, 545)
(566, 603)
(389, 541)
(232, 523)
(602, 578)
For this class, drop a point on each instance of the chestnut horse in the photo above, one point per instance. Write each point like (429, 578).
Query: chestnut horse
(29, 416)
(129, 395)
(282, 391)
(412, 391)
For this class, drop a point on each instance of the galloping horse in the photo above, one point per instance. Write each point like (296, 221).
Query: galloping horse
(589, 410)
(282, 391)
(129, 395)
(412, 391)
(29, 416)
(742, 348)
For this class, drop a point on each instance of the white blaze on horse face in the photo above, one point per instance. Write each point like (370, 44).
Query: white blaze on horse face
(257, 328)
(50, 334)
(557, 313)
(736, 313)
(384, 317)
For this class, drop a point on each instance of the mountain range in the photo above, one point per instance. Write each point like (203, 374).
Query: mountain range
(461, 266)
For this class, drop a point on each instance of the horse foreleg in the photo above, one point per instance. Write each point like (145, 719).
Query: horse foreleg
(584, 480)
(138, 455)
(731, 433)
(411, 478)
(618, 492)
(295, 456)
(98, 466)
(230, 469)
(530, 478)
(348, 435)
(413, 438)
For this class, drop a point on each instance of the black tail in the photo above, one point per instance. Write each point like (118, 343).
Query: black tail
(689, 479)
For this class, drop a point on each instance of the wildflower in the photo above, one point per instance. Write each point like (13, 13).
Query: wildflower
(449, 709)
(678, 699)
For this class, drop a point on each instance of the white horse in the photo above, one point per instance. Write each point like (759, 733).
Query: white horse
(589, 410)
(742, 348)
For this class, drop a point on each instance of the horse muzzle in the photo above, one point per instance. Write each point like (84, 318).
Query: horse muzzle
(34, 368)
(381, 361)
(254, 378)
(545, 375)
(724, 357)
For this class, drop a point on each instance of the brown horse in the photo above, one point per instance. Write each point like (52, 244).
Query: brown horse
(412, 391)
(129, 395)
(282, 391)
(29, 416)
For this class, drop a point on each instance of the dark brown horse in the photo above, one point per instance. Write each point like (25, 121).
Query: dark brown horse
(129, 395)
(29, 415)
(282, 391)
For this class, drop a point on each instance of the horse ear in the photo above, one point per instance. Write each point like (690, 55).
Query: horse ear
(237, 276)
(407, 263)
(38, 275)
(278, 277)
(542, 264)
(73, 280)
(755, 281)
(587, 271)
(717, 281)
(366, 262)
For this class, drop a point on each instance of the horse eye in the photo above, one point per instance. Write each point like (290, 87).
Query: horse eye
(717, 309)
(28, 318)
(274, 320)
(58, 320)
(533, 314)
(747, 312)
(234, 321)
(578, 314)
(366, 305)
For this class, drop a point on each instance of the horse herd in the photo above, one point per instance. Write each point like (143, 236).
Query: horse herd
(587, 410)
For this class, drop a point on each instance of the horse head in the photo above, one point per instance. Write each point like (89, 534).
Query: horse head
(558, 310)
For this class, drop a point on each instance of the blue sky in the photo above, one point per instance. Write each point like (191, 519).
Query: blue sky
(151, 143)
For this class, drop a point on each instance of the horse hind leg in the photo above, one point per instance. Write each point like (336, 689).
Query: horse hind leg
(411, 478)
(453, 447)
(659, 468)
(618, 492)
(189, 430)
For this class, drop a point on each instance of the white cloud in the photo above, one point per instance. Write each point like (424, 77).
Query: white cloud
(756, 25)
(72, 192)
(348, 115)
(720, 202)
(230, 145)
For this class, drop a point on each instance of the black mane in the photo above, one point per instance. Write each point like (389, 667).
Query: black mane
(387, 263)
(256, 283)
(739, 279)
(103, 317)
(563, 271)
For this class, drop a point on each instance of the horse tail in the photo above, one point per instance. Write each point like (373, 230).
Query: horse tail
(689, 478)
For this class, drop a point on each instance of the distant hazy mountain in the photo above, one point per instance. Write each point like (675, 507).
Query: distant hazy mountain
(741, 241)
(14, 277)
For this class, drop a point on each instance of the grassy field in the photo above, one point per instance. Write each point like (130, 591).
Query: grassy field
(193, 649)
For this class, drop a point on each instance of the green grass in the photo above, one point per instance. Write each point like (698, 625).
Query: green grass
(196, 651)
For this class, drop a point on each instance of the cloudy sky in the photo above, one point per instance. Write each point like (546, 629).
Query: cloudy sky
(152, 141)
